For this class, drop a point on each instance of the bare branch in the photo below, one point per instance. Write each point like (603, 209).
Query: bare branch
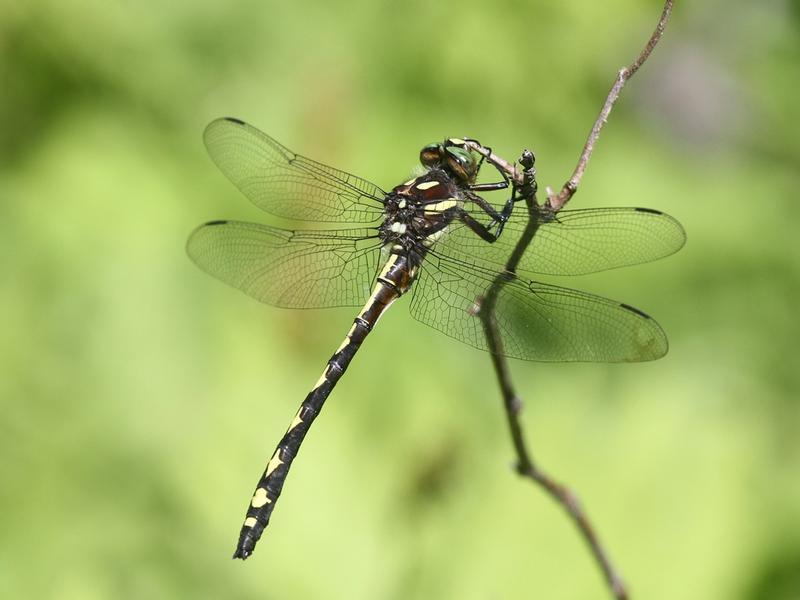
(526, 466)
(558, 201)
(524, 184)
(508, 168)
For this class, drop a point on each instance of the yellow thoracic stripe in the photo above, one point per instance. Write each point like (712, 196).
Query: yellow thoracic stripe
(441, 206)
(434, 237)
(427, 185)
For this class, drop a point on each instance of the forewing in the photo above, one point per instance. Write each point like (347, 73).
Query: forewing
(536, 321)
(576, 242)
(286, 184)
(290, 269)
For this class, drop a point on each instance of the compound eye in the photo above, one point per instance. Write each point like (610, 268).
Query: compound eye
(431, 155)
(462, 162)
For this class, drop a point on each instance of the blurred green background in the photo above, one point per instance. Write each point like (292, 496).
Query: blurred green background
(141, 398)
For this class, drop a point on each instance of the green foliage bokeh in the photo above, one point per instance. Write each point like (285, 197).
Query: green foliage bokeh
(140, 398)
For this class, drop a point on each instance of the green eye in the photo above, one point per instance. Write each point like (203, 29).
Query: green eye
(463, 162)
(460, 154)
(431, 155)
(452, 155)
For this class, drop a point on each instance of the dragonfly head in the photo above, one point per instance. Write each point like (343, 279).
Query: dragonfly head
(454, 156)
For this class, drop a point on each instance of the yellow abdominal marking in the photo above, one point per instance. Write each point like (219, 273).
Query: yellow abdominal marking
(345, 342)
(295, 422)
(250, 522)
(259, 500)
(322, 378)
(386, 268)
(441, 206)
(273, 464)
(427, 185)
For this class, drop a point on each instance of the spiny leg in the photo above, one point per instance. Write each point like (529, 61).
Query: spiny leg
(498, 218)
(526, 190)
(488, 187)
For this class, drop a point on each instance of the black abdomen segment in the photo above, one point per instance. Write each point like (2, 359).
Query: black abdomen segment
(393, 281)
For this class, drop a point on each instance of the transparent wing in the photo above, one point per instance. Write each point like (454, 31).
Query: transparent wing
(286, 184)
(576, 242)
(289, 269)
(536, 321)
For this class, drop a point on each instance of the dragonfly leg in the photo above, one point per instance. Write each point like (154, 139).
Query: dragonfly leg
(488, 187)
(526, 190)
(480, 229)
(498, 218)
(491, 187)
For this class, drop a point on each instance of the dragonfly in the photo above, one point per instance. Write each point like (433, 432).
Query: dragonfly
(434, 236)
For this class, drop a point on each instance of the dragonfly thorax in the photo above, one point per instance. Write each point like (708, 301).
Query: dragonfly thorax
(417, 211)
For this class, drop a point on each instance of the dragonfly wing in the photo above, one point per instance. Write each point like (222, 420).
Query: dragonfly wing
(575, 242)
(289, 269)
(536, 321)
(286, 184)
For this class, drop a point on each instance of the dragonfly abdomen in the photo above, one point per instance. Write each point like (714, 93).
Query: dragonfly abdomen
(394, 280)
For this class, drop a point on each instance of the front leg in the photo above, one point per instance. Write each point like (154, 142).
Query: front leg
(498, 218)
(488, 187)
(501, 217)
(479, 228)
(491, 187)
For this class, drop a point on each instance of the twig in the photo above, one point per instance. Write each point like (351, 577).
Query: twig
(524, 183)
(526, 466)
(510, 169)
(557, 201)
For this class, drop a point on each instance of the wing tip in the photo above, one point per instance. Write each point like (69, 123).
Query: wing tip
(635, 310)
(657, 346)
(196, 233)
(221, 121)
(676, 224)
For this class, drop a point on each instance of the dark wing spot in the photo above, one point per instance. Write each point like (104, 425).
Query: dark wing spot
(635, 310)
(649, 210)
(234, 120)
(216, 223)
